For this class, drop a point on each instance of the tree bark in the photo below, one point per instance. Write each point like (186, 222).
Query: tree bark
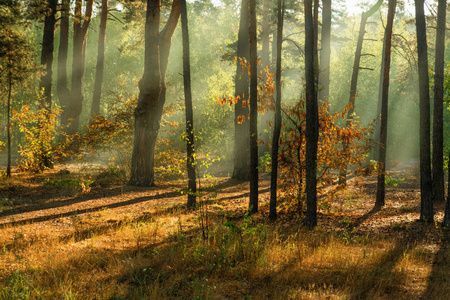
(192, 184)
(45, 84)
(61, 83)
(277, 127)
(312, 118)
(325, 53)
(8, 125)
(152, 92)
(253, 203)
(73, 102)
(426, 189)
(354, 82)
(381, 187)
(95, 108)
(438, 119)
(241, 169)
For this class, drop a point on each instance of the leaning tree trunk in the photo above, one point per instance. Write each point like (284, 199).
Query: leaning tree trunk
(277, 125)
(253, 203)
(325, 53)
(192, 184)
(152, 92)
(438, 119)
(95, 108)
(45, 84)
(381, 187)
(426, 189)
(312, 119)
(241, 169)
(354, 82)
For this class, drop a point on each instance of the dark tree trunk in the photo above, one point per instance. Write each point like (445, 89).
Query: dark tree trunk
(72, 104)
(45, 84)
(192, 185)
(325, 53)
(355, 73)
(242, 129)
(8, 124)
(253, 203)
(95, 109)
(277, 125)
(152, 91)
(438, 119)
(61, 83)
(384, 104)
(426, 190)
(145, 126)
(316, 42)
(312, 119)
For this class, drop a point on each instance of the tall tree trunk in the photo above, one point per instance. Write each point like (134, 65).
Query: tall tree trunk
(426, 189)
(316, 41)
(45, 83)
(241, 109)
(73, 103)
(253, 203)
(312, 118)
(95, 109)
(61, 83)
(384, 105)
(354, 82)
(8, 124)
(192, 185)
(277, 127)
(145, 127)
(325, 53)
(152, 92)
(438, 119)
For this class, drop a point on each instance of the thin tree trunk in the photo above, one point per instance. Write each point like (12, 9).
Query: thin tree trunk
(95, 109)
(316, 42)
(253, 203)
(192, 185)
(325, 53)
(381, 187)
(61, 83)
(45, 84)
(438, 119)
(8, 125)
(312, 121)
(241, 169)
(354, 82)
(277, 127)
(426, 189)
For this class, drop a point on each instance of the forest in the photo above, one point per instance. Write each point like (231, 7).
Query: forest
(224, 149)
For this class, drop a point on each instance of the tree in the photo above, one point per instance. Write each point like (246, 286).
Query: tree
(253, 203)
(277, 127)
(426, 188)
(152, 92)
(95, 109)
(192, 185)
(312, 119)
(45, 84)
(438, 119)
(72, 100)
(241, 169)
(381, 186)
(354, 82)
(325, 53)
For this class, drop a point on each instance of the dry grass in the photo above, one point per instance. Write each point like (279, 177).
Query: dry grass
(143, 244)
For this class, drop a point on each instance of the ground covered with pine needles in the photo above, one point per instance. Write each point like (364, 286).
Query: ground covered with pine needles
(75, 233)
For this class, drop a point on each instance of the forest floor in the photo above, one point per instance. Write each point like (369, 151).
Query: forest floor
(80, 233)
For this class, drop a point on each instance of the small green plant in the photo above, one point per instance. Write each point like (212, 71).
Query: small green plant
(392, 181)
(265, 163)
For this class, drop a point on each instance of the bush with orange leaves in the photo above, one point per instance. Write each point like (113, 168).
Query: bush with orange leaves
(331, 155)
